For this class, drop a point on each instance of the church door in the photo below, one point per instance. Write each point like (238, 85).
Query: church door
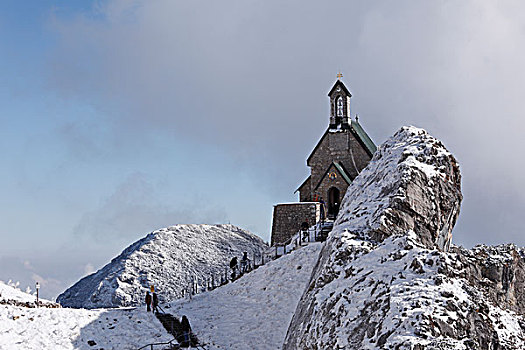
(333, 202)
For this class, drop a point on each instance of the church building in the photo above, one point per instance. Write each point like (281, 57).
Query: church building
(339, 156)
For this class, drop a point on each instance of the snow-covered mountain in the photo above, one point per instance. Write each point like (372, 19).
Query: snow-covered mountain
(169, 259)
(388, 277)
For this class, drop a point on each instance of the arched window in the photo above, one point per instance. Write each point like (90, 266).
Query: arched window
(340, 106)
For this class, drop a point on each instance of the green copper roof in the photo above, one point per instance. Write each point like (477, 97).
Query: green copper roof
(342, 170)
(370, 145)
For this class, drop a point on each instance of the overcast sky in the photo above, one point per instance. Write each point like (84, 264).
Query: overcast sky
(120, 117)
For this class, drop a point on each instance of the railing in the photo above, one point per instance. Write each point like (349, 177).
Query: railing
(312, 234)
(152, 346)
(199, 284)
(203, 284)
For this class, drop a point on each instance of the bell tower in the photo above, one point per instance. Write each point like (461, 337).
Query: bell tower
(339, 105)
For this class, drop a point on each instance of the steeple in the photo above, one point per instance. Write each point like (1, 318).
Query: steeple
(339, 105)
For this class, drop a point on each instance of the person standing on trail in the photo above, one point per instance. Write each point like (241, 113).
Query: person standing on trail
(244, 262)
(148, 302)
(233, 266)
(304, 230)
(155, 302)
(186, 332)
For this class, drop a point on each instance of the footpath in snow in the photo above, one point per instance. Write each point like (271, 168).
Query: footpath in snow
(254, 311)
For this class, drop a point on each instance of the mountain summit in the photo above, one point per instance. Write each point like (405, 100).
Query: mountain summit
(169, 259)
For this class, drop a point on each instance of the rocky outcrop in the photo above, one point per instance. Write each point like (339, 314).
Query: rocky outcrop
(388, 276)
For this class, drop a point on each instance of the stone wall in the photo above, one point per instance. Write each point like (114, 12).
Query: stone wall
(287, 219)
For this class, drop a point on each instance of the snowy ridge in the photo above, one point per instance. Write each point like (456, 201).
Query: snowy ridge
(168, 259)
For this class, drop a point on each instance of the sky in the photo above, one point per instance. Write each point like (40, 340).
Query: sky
(121, 117)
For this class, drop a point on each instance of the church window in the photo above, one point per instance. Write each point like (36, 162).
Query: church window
(340, 107)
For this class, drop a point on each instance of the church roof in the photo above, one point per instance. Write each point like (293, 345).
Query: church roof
(363, 136)
(340, 168)
(304, 183)
(358, 132)
(339, 83)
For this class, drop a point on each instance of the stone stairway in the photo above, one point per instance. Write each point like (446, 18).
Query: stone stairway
(326, 228)
(174, 327)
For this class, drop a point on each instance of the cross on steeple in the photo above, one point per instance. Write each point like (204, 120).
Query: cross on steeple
(339, 76)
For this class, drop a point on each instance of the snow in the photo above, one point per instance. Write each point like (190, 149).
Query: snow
(169, 259)
(62, 328)
(10, 291)
(254, 311)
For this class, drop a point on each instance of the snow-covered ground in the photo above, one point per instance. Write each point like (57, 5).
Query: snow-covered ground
(250, 313)
(62, 328)
(253, 312)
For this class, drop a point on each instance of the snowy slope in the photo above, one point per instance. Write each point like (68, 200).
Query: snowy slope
(56, 328)
(254, 311)
(168, 259)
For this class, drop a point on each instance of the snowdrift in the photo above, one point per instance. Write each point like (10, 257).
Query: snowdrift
(169, 259)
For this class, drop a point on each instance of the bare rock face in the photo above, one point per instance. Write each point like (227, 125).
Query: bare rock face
(388, 276)
(412, 183)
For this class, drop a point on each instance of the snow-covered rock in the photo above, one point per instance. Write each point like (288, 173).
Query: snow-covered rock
(411, 183)
(169, 259)
(388, 277)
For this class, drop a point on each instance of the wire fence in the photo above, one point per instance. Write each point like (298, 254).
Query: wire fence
(256, 259)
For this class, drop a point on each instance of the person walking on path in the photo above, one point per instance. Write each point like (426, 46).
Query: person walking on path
(244, 263)
(233, 266)
(304, 230)
(148, 302)
(155, 302)
(186, 332)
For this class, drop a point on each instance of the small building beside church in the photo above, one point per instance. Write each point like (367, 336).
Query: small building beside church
(339, 156)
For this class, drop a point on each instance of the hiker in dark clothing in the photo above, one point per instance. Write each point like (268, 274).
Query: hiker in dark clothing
(304, 230)
(323, 209)
(155, 302)
(186, 337)
(245, 262)
(233, 266)
(148, 302)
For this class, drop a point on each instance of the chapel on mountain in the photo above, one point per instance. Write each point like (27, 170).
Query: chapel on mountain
(341, 153)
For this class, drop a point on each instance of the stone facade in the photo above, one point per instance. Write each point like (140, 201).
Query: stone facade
(287, 219)
(339, 156)
(335, 146)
